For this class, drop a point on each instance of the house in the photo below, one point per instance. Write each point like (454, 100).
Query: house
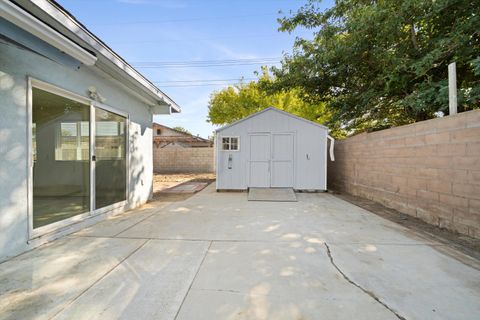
(75, 126)
(166, 137)
(272, 149)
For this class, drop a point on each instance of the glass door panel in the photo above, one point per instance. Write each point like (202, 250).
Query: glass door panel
(61, 157)
(110, 153)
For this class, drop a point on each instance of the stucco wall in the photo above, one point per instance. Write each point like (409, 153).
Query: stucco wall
(17, 63)
(172, 160)
(430, 170)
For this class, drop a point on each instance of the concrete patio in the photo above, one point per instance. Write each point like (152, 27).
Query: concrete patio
(219, 256)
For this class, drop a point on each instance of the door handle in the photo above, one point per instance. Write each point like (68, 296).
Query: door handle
(94, 158)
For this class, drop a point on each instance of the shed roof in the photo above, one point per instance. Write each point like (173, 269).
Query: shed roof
(271, 108)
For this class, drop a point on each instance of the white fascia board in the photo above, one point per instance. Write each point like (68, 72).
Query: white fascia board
(156, 110)
(76, 28)
(29, 23)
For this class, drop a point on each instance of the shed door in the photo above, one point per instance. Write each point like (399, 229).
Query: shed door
(282, 160)
(259, 160)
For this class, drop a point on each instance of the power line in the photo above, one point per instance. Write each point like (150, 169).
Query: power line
(203, 80)
(204, 66)
(199, 62)
(197, 85)
(185, 20)
(205, 63)
(276, 35)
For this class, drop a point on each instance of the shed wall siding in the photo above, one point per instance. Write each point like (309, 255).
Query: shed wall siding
(16, 64)
(309, 138)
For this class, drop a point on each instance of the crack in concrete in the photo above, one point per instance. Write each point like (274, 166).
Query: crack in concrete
(371, 294)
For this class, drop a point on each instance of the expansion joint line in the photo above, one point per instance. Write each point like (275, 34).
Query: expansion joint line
(371, 294)
(193, 280)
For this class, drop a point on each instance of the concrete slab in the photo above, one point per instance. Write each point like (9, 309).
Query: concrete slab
(150, 284)
(421, 281)
(320, 257)
(228, 216)
(256, 305)
(119, 223)
(39, 283)
(272, 194)
(275, 281)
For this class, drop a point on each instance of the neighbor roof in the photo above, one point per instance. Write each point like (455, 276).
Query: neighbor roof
(271, 109)
(57, 18)
(196, 138)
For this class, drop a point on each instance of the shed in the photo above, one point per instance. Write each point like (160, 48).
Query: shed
(272, 149)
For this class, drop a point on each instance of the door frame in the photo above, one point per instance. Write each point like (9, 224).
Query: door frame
(271, 134)
(59, 225)
(96, 211)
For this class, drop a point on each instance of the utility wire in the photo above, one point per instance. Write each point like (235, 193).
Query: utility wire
(204, 62)
(203, 80)
(185, 20)
(122, 42)
(205, 66)
(197, 85)
(217, 60)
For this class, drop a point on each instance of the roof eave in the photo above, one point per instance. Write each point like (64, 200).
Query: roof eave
(78, 31)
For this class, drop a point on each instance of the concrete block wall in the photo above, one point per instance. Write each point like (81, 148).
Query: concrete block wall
(183, 160)
(429, 169)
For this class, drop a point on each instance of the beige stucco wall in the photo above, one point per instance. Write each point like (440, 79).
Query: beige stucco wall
(171, 160)
(430, 170)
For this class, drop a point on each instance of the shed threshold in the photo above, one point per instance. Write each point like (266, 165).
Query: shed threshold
(272, 194)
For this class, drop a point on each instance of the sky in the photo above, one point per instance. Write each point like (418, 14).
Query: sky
(175, 43)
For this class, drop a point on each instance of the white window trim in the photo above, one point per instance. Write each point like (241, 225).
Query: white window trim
(229, 143)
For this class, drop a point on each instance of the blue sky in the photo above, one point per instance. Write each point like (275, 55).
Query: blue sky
(190, 30)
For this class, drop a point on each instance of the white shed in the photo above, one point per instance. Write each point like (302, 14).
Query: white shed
(272, 149)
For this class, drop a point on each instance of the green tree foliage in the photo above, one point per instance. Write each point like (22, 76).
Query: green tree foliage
(182, 129)
(377, 64)
(236, 102)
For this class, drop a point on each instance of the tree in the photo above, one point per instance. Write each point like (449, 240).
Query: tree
(236, 102)
(378, 64)
(182, 129)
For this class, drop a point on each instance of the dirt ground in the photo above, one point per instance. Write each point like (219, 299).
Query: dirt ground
(163, 181)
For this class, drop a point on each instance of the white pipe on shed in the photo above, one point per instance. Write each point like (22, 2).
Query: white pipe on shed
(332, 143)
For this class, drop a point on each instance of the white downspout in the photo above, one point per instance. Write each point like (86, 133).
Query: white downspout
(332, 143)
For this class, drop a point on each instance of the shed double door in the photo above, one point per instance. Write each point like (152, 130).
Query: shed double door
(271, 162)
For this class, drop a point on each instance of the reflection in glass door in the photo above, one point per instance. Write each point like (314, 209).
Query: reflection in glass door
(110, 154)
(61, 157)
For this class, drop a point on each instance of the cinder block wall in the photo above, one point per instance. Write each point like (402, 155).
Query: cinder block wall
(430, 170)
(183, 160)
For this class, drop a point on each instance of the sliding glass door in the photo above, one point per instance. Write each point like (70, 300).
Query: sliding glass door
(61, 153)
(79, 158)
(110, 155)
